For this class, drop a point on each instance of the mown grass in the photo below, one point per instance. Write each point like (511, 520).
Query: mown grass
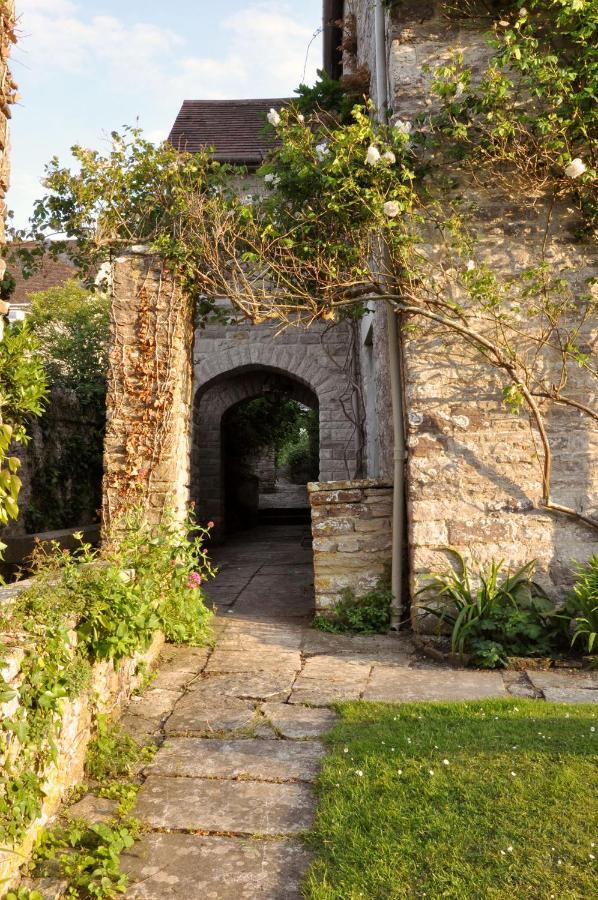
(512, 813)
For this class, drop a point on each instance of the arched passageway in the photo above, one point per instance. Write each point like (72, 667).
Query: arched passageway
(230, 476)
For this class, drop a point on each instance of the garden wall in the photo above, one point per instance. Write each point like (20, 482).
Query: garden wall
(61, 469)
(109, 692)
(473, 469)
(148, 428)
(351, 528)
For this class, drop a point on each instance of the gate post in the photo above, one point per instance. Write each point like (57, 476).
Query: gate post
(150, 381)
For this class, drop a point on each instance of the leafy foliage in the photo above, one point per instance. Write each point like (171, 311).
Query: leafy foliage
(581, 609)
(88, 857)
(114, 754)
(338, 97)
(368, 614)
(22, 394)
(493, 615)
(72, 328)
(299, 454)
(113, 600)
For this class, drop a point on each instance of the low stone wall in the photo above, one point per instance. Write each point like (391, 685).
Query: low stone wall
(109, 692)
(351, 528)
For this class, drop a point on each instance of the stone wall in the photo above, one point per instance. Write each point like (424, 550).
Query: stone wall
(351, 528)
(108, 693)
(473, 469)
(147, 448)
(61, 469)
(238, 361)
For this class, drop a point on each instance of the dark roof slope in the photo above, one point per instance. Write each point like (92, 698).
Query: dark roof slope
(51, 273)
(233, 127)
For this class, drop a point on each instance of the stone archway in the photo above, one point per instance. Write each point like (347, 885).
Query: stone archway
(236, 362)
(212, 403)
(157, 369)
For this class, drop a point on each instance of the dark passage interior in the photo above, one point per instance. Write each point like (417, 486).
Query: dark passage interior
(270, 451)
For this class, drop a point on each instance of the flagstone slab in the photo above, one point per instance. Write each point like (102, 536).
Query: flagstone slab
(155, 703)
(247, 687)
(92, 810)
(373, 646)
(319, 693)
(197, 715)
(299, 722)
(183, 659)
(262, 659)
(141, 729)
(336, 668)
(393, 684)
(173, 680)
(566, 687)
(265, 760)
(243, 807)
(185, 867)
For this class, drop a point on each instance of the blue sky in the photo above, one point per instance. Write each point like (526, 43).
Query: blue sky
(86, 67)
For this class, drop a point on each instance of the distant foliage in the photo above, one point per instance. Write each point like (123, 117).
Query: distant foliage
(71, 325)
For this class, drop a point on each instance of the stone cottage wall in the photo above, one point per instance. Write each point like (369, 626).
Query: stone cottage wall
(351, 528)
(473, 470)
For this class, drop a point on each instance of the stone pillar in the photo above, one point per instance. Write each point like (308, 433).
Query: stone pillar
(147, 449)
(351, 528)
(7, 96)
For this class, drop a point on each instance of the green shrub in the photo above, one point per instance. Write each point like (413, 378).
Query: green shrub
(115, 599)
(493, 615)
(369, 614)
(22, 395)
(581, 609)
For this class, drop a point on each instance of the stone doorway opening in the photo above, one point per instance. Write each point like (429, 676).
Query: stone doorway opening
(255, 447)
(270, 447)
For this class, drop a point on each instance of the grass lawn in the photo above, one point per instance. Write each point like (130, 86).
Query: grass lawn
(496, 799)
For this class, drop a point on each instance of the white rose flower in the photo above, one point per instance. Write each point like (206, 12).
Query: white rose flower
(389, 157)
(470, 265)
(459, 89)
(403, 127)
(372, 156)
(575, 168)
(391, 209)
(272, 179)
(301, 119)
(322, 150)
(273, 118)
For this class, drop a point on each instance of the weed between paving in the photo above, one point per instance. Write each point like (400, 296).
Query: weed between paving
(512, 813)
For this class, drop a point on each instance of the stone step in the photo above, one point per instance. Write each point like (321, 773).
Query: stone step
(262, 760)
(241, 807)
(185, 866)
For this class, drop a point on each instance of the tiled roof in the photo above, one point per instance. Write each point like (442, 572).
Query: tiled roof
(52, 273)
(233, 127)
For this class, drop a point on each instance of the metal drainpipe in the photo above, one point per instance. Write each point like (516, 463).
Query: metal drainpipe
(394, 354)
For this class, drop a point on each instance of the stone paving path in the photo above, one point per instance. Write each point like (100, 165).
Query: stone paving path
(231, 787)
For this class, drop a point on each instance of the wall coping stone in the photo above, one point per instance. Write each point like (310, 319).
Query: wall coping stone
(358, 484)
